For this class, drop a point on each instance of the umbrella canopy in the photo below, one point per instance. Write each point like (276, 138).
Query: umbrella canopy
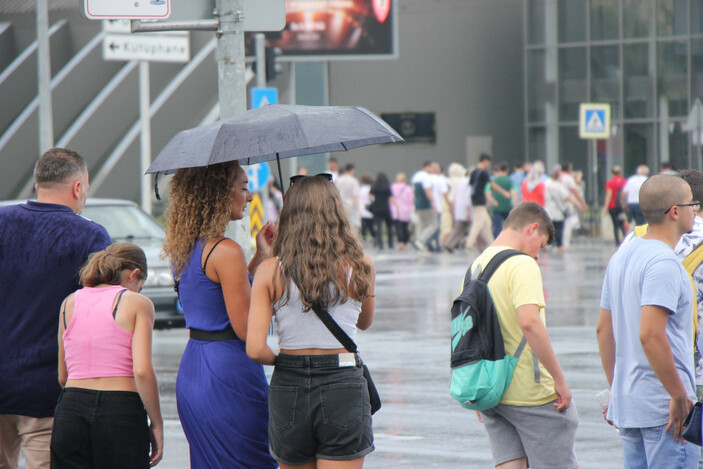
(272, 132)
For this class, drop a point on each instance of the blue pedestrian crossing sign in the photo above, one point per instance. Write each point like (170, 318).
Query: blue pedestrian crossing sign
(594, 120)
(263, 96)
(258, 175)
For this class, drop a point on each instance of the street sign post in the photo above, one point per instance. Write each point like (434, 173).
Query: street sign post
(145, 9)
(159, 47)
(594, 123)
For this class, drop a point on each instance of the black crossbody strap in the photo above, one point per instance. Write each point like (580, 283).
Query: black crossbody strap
(334, 328)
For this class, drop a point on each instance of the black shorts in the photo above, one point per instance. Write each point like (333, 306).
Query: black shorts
(318, 410)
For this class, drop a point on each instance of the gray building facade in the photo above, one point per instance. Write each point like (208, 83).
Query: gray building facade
(643, 57)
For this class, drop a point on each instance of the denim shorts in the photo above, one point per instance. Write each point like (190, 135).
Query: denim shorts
(653, 447)
(318, 410)
(100, 429)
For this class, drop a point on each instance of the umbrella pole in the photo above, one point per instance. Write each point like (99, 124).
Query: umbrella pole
(280, 177)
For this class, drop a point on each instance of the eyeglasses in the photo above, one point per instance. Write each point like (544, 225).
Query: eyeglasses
(298, 177)
(695, 204)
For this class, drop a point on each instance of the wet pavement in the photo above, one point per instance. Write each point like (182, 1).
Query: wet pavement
(407, 351)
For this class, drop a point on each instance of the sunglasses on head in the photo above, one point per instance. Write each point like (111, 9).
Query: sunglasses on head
(298, 177)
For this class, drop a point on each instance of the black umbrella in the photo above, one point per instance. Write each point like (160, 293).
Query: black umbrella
(273, 132)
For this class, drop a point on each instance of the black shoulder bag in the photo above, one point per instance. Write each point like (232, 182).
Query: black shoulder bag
(349, 344)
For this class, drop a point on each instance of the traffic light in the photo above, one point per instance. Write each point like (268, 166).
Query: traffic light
(273, 68)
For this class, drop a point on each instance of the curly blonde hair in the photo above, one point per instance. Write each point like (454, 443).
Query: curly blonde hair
(199, 207)
(316, 247)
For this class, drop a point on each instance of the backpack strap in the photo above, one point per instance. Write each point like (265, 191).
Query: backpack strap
(485, 275)
(496, 261)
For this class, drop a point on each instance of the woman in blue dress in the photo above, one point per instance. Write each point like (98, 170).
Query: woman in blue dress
(222, 395)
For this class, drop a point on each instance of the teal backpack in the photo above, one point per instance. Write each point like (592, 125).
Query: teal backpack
(481, 371)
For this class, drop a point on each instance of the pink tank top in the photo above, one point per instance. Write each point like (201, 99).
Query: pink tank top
(95, 346)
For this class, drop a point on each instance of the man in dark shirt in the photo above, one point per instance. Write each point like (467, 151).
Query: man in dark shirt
(43, 244)
(481, 224)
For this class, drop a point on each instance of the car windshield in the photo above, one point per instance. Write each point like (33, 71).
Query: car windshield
(124, 222)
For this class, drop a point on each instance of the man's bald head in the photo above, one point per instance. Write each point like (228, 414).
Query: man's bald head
(659, 193)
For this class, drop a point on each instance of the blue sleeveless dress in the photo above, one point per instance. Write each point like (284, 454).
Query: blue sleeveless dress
(222, 395)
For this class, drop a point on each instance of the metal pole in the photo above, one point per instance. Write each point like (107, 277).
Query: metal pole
(46, 124)
(293, 162)
(260, 60)
(232, 84)
(145, 118)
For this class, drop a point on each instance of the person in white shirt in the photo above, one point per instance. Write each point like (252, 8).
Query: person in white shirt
(631, 195)
(348, 188)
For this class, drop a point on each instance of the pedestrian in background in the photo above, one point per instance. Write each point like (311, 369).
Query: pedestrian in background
(365, 199)
(43, 245)
(576, 190)
(630, 197)
(427, 222)
(221, 394)
(481, 225)
(505, 204)
(105, 368)
(520, 170)
(534, 187)
(611, 205)
(319, 402)
(349, 191)
(462, 214)
(456, 173)
(645, 332)
(557, 203)
(380, 207)
(402, 208)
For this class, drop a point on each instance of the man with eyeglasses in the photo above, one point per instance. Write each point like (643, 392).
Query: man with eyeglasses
(645, 332)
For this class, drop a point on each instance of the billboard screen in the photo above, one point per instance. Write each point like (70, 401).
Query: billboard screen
(335, 29)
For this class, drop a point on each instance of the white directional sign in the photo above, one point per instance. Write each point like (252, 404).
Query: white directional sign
(137, 9)
(594, 120)
(158, 47)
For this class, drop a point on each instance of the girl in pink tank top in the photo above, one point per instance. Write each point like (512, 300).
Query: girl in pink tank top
(105, 368)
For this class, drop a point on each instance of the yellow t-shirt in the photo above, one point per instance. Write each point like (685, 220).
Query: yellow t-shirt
(518, 282)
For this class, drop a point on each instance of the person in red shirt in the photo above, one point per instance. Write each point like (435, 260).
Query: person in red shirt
(534, 187)
(611, 205)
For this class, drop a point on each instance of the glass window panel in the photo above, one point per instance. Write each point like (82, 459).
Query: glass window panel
(535, 21)
(540, 85)
(573, 85)
(696, 69)
(604, 19)
(639, 80)
(696, 17)
(672, 69)
(674, 143)
(572, 148)
(536, 143)
(639, 147)
(572, 20)
(605, 77)
(636, 18)
(672, 17)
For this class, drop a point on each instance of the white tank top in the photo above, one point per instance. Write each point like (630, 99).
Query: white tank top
(299, 330)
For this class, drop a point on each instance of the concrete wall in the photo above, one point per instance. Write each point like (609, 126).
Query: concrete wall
(461, 59)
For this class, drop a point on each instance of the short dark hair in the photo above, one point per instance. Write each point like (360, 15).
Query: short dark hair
(566, 166)
(503, 166)
(348, 167)
(484, 157)
(58, 165)
(530, 212)
(426, 164)
(694, 178)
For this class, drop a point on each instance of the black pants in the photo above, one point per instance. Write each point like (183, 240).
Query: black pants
(378, 222)
(401, 230)
(558, 232)
(618, 224)
(367, 228)
(99, 429)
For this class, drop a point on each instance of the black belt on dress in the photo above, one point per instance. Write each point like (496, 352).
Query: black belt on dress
(226, 334)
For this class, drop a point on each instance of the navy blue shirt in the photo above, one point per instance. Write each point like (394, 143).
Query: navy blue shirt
(42, 248)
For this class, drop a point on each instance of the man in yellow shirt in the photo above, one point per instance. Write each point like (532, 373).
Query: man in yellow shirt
(536, 419)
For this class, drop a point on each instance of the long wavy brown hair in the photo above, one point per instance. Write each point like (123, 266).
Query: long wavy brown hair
(199, 207)
(316, 247)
